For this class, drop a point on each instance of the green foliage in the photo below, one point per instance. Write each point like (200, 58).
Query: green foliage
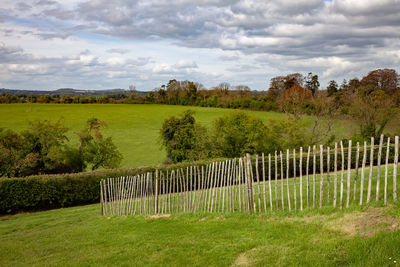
(95, 150)
(285, 134)
(183, 138)
(43, 149)
(332, 87)
(373, 109)
(43, 192)
(312, 83)
(232, 135)
(237, 134)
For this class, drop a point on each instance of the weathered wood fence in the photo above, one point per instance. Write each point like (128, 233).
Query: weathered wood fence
(294, 180)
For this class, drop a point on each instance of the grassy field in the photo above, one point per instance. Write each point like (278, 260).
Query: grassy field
(134, 128)
(79, 236)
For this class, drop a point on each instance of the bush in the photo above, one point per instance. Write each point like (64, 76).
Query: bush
(44, 192)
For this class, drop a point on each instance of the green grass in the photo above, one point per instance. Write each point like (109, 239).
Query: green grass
(134, 128)
(367, 235)
(81, 237)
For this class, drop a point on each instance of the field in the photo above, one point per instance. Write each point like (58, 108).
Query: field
(367, 235)
(134, 128)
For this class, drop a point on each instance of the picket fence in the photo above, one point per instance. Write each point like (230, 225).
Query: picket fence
(260, 184)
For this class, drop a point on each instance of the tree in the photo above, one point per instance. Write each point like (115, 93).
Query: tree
(279, 84)
(373, 109)
(294, 98)
(312, 83)
(386, 80)
(183, 138)
(95, 150)
(332, 87)
(276, 87)
(237, 134)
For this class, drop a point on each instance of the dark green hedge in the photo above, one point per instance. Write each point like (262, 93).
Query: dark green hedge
(44, 192)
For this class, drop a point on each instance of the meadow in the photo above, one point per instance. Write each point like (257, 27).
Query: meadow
(134, 128)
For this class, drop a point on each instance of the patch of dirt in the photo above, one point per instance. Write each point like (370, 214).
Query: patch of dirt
(365, 223)
(244, 259)
(252, 256)
(159, 216)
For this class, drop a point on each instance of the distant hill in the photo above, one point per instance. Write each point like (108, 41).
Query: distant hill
(68, 91)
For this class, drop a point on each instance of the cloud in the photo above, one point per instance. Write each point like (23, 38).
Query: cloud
(118, 51)
(241, 40)
(186, 64)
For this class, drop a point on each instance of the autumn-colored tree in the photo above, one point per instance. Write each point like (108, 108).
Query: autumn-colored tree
(280, 84)
(383, 79)
(293, 99)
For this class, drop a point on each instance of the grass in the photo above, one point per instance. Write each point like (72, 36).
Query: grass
(134, 128)
(79, 236)
(367, 235)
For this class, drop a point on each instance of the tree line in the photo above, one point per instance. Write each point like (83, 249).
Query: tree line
(227, 96)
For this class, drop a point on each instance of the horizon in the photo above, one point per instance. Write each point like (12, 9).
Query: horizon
(80, 44)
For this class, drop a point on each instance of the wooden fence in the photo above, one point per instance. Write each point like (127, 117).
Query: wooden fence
(295, 180)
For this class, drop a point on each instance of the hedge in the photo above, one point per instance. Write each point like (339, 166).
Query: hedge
(42, 192)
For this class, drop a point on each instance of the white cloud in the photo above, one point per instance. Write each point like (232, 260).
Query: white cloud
(210, 41)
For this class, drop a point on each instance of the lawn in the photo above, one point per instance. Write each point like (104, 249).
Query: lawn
(367, 235)
(79, 236)
(134, 128)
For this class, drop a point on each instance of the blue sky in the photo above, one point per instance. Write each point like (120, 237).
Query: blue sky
(101, 44)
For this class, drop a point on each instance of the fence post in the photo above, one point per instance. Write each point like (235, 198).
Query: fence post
(396, 159)
(386, 168)
(276, 181)
(321, 182)
(371, 167)
(348, 175)
(356, 174)
(258, 185)
(301, 178)
(314, 171)
(294, 180)
(378, 175)
(282, 178)
(249, 183)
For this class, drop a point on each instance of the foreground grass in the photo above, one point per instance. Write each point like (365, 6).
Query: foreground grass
(367, 235)
(134, 128)
(79, 236)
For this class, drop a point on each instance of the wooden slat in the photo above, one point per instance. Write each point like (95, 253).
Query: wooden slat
(371, 169)
(348, 174)
(378, 174)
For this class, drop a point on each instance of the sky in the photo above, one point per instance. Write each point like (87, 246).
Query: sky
(103, 44)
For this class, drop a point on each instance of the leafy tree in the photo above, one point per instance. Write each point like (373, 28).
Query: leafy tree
(373, 109)
(95, 150)
(294, 99)
(332, 87)
(238, 133)
(383, 79)
(312, 83)
(183, 138)
(284, 134)
(43, 149)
